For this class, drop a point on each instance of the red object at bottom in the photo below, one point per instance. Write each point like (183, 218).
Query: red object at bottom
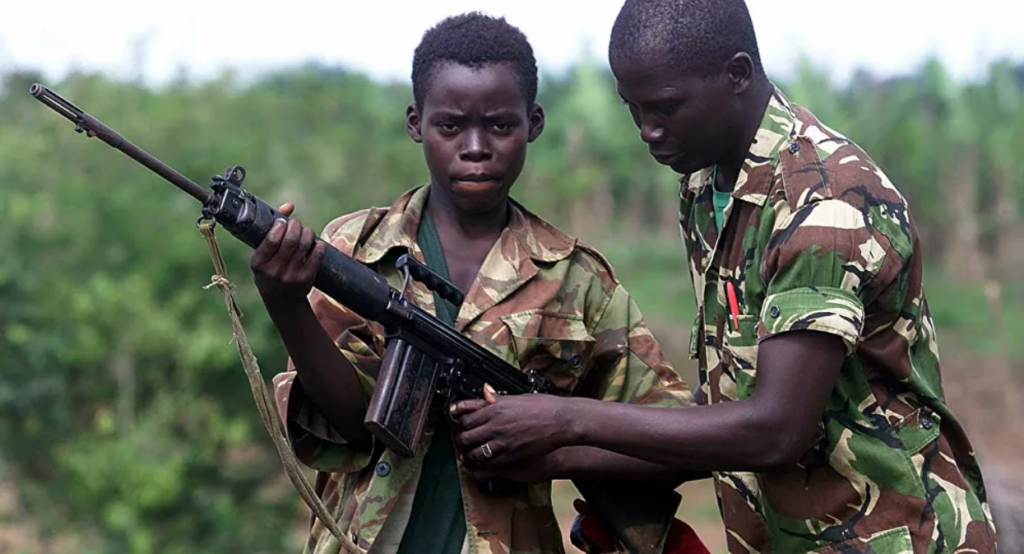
(590, 536)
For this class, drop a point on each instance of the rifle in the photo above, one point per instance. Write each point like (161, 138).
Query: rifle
(424, 359)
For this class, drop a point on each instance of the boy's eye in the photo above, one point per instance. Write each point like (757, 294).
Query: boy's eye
(448, 127)
(501, 126)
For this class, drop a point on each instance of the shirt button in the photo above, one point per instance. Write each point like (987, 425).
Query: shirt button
(775, 311)
(926, 422)
(794, 148)
(576, 361)
(355, 538)
(383, 469)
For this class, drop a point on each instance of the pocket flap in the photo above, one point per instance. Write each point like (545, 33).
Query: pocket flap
(557, 345)
(919, 429)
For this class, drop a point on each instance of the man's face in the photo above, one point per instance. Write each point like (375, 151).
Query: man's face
(689, 121)
(474, 126)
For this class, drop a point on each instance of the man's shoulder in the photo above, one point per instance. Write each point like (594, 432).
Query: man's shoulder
(821, 163)
(820, 167)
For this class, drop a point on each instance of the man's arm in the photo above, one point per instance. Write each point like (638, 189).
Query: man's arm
(284, 267)
(775, 426)
(796, 372)
(594, 464)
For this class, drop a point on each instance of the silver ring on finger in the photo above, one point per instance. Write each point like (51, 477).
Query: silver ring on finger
(486, 448)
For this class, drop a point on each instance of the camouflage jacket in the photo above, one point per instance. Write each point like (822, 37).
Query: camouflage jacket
(543, 301)
(817, 237)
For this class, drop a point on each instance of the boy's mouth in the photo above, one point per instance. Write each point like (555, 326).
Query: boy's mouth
(474, 180)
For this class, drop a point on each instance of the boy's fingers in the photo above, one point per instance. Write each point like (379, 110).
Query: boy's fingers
(305, 248)
(287, 208)
(290, 242)
(271, 243)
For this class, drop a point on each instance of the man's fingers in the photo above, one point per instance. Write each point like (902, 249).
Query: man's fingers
(483, 475)
(468, 440)
(476, 418)
(464, 407)
(490, 395)
(484, 453)
(270, 245)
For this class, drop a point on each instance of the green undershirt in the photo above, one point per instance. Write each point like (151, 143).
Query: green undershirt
(720, 200)
(437, 523)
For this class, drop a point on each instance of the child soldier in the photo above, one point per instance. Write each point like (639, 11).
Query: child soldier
(535, 296)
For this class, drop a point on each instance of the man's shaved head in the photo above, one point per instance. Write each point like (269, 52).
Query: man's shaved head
(699, 35)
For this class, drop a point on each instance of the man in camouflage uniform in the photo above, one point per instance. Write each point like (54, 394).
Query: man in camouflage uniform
(536, 297)
(823, 420)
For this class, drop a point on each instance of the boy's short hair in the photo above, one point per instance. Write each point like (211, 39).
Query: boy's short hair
(474, 39)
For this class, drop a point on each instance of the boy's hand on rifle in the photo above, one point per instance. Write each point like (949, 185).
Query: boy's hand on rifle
(285, 264)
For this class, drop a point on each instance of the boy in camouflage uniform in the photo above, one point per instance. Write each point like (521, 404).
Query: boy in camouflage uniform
(823, 419)
(535, 296)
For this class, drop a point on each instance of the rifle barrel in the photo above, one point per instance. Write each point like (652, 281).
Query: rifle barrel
(95, 128)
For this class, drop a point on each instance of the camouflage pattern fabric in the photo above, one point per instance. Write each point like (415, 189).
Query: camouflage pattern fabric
(542, 300)
(817, 237)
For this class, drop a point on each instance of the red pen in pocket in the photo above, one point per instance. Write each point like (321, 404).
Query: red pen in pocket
(734, 306)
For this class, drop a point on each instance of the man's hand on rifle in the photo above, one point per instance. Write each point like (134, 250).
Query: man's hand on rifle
(285, 264)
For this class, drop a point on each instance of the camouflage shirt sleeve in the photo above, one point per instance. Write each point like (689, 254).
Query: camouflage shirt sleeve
(825, 262)
(316, 443)
(629, 365)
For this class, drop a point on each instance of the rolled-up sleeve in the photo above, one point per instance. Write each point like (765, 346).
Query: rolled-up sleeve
(823, 265)
(316, 443)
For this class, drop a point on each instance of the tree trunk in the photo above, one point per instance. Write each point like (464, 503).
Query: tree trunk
(1009, 230)
(964, 260)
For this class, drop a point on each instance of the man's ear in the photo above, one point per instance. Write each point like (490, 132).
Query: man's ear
(412, 123)
(536, 122)
(740, 69)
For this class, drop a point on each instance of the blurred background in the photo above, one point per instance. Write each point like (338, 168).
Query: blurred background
(126, 423)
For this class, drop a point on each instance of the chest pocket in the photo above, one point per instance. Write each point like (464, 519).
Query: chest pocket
(555, 345)
(739, 356)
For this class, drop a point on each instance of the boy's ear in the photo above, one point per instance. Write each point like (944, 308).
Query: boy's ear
(412, 123)
(536, 122)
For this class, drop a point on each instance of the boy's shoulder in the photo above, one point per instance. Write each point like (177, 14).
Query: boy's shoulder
(349, 231)
(585, 261)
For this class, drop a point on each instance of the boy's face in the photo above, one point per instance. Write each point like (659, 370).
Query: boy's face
(689, 121)
(474, 127)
